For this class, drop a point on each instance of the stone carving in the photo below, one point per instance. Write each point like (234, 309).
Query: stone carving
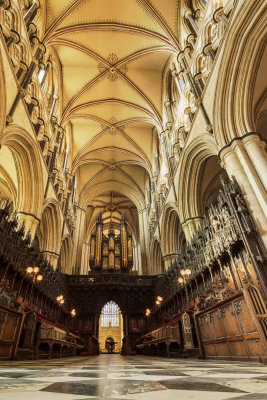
(113, 71)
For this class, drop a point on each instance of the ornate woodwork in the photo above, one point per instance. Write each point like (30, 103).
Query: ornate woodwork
(227, 283)
(54, 341)
(17, 252)
(11, 322)
(224, 254)
(235, 328)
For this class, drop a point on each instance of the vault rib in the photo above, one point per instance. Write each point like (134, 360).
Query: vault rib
(111, 26)
(148, 6)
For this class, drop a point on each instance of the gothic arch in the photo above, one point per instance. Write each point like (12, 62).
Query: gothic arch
(88, 193)
(29, 171)
(172, 236)
(106, 297)
(64, 262)
(7, 186)
(156, 258)
(233, 114)
(189, 179)
(51, 225)
(54, 82)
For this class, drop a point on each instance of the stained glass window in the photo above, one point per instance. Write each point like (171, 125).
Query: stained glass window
(110, 315)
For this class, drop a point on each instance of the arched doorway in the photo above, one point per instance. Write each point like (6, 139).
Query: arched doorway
(110, 327)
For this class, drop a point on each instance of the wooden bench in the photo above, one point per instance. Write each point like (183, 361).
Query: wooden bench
(163, 341)
(52, 341)
(174, 337)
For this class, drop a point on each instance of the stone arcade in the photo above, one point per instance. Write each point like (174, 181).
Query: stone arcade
(133, 204)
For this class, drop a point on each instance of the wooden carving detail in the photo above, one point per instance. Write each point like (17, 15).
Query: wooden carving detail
(223, 255)
(18, 252)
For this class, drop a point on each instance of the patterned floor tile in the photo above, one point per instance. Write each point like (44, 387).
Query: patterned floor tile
(128, 388)
(99, 374)
(84, 389)
(165, 373)
(136, 378)
(252, 396)
(198, 385)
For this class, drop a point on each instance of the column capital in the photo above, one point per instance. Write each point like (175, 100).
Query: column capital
(5, 4)
(218, 14)
(174, 73)
(229, 146)
(180, 56)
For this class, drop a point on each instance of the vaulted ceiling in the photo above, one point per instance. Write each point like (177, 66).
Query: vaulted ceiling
(113, 54)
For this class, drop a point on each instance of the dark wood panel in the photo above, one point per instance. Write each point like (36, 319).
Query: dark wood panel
(10, 327)
(232, 329)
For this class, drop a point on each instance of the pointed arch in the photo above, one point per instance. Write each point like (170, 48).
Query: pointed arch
(245, 43)
(89, 193)
(27, 159)
(189, 177)
(64, 261)
(51, 226)
(156, 257)
(172, 236)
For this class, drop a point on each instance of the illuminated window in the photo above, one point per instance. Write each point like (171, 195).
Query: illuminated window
(41, 75)
(181, 81)
(110, 315)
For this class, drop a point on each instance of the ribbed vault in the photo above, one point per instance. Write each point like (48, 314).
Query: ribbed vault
(113, 56)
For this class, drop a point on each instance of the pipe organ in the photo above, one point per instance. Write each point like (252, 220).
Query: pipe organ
(111, 251)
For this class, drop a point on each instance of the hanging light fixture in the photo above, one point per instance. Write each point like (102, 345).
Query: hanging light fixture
(73, 312)
(33, 273)
(185, 273)
(159, 300)
(60, 299)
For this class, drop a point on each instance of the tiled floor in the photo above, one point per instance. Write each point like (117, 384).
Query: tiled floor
(137, 378)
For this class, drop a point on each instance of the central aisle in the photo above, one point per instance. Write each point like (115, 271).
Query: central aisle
(137, 378)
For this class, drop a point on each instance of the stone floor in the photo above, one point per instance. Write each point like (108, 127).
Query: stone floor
(137, 378)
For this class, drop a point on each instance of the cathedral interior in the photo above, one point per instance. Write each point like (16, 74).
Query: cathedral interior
(133, 202)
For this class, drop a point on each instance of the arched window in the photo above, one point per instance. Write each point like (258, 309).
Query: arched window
(110, 315)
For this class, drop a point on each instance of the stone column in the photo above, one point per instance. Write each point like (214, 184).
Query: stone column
(31, 222)
(256, 149)
(85, 259)
(31, 12)
(79, 240)
(207, 50)
(55, 98)
(191, 226)
(142, 242)
(13, 38)
(195, 90)
(46, 69)
(168, 260)
(145, 225)
(237, 163)
(51, 257)
(188, 15)
(39, 51)
(251, 173)
(169, 111)
(139, 258)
